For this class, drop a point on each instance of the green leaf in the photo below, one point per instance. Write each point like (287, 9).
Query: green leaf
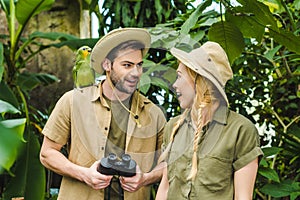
(7, 95)
(11, 139)
(7, 108)
(29, 180)
(16, 125)
(297, 4)
(271, 53)
(153, 67)
(1, 61)
(270, 151)
(30, 81)
(247, 25)
(160, 83)
(145, 83)
(283, 189)
(259, 12)
(269, 173)
(229, 37)
(287, 39)
(193, 18)
(52, 36)
(170, 75)
(73, 44)
(159, 10)
(25, 9)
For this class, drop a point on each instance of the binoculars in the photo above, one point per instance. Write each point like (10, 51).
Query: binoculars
(112, 165)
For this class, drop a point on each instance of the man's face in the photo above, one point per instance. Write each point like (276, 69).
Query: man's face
(126, 70)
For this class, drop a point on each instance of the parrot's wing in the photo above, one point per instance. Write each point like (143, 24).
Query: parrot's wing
(74, 74)
(85, 75)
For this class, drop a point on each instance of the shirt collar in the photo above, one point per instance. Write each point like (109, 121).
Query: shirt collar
(221, 114)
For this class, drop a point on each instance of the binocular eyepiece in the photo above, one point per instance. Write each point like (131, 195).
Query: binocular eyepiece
(112, 165)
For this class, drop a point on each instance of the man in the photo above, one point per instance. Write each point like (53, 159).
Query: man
(111, 117)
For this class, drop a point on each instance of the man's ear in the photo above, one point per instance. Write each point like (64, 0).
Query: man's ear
(106, 64)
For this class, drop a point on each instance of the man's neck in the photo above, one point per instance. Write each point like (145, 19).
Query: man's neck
(111, 93)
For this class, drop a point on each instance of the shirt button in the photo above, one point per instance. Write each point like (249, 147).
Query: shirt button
(108, 109)
(106, 128)
(102, 148)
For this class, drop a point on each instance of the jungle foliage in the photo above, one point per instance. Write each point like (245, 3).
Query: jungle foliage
(261, 39)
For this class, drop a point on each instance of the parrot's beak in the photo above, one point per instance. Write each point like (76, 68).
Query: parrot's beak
(85, 53)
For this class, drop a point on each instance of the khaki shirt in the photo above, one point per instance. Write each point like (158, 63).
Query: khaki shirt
(81, 119)
(230, 143)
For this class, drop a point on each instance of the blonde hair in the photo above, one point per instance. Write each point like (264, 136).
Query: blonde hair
(204, 98)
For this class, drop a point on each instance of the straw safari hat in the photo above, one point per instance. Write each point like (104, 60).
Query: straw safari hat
(113, 39)
(210, 61)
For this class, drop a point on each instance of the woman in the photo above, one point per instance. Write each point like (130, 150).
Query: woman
(210, 151)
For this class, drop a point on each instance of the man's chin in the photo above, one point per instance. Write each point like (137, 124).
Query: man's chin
(127, 90)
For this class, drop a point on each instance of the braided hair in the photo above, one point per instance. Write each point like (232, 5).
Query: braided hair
(204, 98)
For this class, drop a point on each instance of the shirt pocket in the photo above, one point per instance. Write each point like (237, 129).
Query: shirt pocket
(215, 173)
(177, 187)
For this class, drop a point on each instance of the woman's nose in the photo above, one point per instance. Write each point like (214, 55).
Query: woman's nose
(175, 84)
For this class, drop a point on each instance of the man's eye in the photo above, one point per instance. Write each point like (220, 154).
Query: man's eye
(127, 65)
(139, 65)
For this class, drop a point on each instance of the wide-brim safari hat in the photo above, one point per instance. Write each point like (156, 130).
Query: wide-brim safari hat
(209, 61)
(113, 39)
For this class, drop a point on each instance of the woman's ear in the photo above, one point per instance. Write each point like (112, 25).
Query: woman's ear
(106, 64)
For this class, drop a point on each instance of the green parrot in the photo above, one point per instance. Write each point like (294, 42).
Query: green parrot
(83, 73)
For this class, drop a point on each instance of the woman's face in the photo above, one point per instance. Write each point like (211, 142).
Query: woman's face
(184, 87)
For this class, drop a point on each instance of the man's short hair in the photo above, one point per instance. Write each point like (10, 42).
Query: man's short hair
(130, 44)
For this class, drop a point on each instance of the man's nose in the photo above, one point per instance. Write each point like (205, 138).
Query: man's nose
(137, 70)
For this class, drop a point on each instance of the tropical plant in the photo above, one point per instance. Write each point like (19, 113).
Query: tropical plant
(21, 172)
(260, 37)
(262, 43)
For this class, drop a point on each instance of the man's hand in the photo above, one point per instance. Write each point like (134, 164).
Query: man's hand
(95, 179)
(132, 184)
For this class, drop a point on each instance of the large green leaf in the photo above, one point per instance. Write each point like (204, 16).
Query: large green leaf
(259, 12)
(247, 25)
(229, 37)
(25, 9)
(288, 39)
(29, 180)
(5, 107)
(30, 81)
(193, 18)
(283, 189)
(11, 134)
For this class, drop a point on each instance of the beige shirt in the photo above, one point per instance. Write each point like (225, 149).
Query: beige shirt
(81, 119)
(228, 143)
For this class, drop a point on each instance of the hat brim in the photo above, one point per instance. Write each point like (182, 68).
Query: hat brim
(191, 63)
(113, 39)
